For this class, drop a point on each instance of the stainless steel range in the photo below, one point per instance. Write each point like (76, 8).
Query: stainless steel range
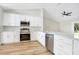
(24, 31)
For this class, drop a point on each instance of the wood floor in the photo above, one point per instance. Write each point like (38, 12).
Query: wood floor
(23, 48)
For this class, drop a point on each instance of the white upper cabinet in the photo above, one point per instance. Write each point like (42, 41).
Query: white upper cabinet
(76, 47)
(25, 18)
(36, 21)
(11, 19)
(16, 20)
(22, 17)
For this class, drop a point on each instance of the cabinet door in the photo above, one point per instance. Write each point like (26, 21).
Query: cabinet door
(7, 37)
(35, 21)
(11, 19)
(3, 37)
(10, 37)
(22, 17)
(16, 36)
(6, 20)
(41, 38)
(62, 45)
(34, 35)
(16, 20)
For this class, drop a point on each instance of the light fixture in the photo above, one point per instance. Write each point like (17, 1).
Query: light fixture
(66, 13)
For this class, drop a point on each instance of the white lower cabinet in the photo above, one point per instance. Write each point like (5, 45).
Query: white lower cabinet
(9, 37)
(76, 47)
(39, 36)
(34, 36)
(62, 45)
(17, 36)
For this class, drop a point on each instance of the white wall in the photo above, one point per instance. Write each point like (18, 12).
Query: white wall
(50, 25)
(66, 27)
(1, 17)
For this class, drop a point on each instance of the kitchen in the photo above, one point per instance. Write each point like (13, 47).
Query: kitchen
(17, 24)
(29, 28)
(20, 25)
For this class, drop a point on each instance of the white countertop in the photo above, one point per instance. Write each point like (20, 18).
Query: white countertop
(62, 33)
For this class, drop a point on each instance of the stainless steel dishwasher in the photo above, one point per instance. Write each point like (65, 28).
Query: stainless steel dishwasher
(50, 42)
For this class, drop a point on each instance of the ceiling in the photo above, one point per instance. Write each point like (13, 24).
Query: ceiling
(51, 10)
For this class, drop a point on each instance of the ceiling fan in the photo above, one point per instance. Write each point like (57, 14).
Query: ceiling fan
(66, 13)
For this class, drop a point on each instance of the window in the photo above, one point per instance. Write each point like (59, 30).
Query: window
(76, 30)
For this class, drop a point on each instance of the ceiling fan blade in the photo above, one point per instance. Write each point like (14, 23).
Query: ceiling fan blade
(69, 12)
